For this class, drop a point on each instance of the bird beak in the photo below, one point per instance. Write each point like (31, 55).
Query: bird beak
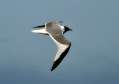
(70, 29)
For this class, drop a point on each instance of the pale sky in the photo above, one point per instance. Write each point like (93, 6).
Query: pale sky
(26, 58)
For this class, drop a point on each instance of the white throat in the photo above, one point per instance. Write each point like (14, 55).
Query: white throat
(62, 28)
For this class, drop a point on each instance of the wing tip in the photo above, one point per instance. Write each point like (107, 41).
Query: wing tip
(56, 63)
(52, 69)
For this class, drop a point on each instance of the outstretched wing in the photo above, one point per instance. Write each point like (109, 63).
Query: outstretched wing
(40, 29)
(63, 47)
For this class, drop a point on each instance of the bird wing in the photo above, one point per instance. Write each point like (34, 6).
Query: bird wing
(41, 26)
(63, 47)
(40, 29)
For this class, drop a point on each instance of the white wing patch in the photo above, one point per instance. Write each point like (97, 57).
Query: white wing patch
(61, 48)
(42, 31)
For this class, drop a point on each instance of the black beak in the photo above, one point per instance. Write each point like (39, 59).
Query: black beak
(70, 29)
(67, 28)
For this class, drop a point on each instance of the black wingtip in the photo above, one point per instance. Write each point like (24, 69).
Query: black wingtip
(52, 68)
(57, 62)
(39, 26)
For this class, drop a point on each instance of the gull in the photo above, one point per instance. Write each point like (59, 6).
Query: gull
(56, 31)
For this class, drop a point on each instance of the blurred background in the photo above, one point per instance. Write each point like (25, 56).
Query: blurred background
(26, 58)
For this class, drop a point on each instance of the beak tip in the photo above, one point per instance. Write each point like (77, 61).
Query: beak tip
(70, 29)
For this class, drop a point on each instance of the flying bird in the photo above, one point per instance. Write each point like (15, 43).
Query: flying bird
(56, 31)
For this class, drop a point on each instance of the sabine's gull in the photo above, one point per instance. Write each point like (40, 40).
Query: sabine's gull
(56, 31)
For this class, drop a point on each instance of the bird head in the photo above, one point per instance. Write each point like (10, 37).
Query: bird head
(66, 29)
